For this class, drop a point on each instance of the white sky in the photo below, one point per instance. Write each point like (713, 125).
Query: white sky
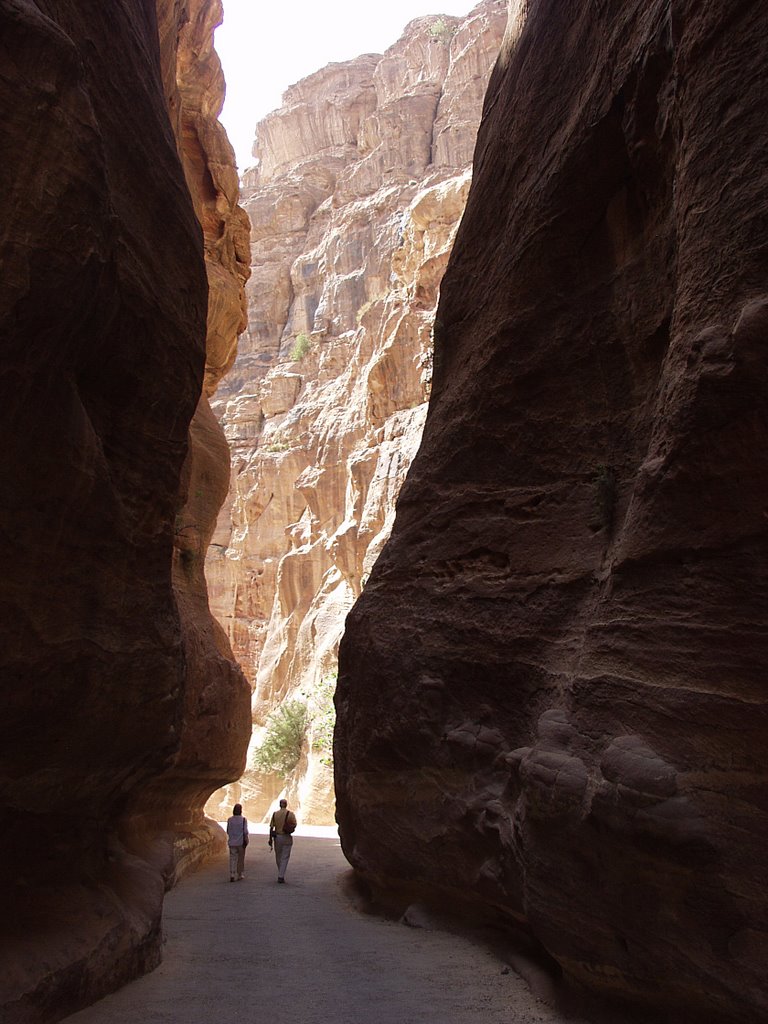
(267, 45)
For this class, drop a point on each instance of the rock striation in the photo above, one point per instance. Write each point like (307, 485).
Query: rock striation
(360, 182)
(123, 708)
(551, 703)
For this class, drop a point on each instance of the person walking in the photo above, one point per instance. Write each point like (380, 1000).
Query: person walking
(281, 829)
(237, 837)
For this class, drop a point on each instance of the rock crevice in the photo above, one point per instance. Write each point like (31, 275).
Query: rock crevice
(354, 204)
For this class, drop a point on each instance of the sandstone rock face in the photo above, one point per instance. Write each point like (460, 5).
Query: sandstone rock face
(551, 698)
(123, 708)
(216, 715)
(361, 180)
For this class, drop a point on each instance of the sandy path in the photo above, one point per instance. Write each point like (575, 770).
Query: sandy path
(256, 950)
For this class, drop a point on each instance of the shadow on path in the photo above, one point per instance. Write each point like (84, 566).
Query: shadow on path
(255, 950)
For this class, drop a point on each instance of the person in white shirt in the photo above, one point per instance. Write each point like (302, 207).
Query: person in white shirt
(237, 836)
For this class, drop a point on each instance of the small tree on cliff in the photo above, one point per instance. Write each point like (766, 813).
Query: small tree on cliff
(284, 738)
(322, 715)
(442, 30)
(301, 346)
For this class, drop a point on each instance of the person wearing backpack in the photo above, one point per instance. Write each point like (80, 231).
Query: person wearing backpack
(281, 829)
(237, 837)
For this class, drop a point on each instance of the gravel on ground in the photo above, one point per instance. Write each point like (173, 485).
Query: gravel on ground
(254, 950)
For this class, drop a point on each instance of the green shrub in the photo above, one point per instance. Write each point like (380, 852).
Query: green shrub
(301, 346)
(283, 740)
(442, 30)
(323, 715)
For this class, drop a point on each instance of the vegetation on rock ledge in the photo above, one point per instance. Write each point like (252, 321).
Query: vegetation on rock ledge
(281, 749)
(323, 717)
(442, 30)
(301, 346)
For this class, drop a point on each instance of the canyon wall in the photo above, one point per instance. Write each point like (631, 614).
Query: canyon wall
(361, 179)
(123, 708)
(552, 703)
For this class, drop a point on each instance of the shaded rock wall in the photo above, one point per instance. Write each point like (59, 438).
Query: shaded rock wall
(111, 672)
(551, 700)
(360, 184)
(216, 716)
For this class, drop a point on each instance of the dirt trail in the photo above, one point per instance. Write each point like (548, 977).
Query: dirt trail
(255, 950)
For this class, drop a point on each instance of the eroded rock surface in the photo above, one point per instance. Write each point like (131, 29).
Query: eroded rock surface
(552, 702)
(122, 707)
(361, 180)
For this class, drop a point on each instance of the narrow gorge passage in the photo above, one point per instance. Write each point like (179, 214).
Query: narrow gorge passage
(256, 950)
(463, 546)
